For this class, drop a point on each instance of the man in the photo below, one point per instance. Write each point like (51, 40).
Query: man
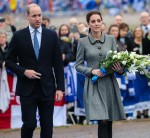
(40, 72)
(73, 21)
(118, 20)
(144, 22)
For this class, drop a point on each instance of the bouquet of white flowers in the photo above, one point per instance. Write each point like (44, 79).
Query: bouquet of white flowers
(129, 60)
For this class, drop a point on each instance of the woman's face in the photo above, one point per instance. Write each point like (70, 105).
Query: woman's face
(64, 30)
(95, 23)
(114, 31)
(138, 33)
(3, 39)
(123, 32)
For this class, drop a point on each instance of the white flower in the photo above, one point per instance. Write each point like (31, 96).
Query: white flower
(110, 52)
(124, 62)
(119, 55)
(132, 57)
(115, 52)
(134, 61)
(126, 52)
(132, 68)
(114, 56)
(130, 60)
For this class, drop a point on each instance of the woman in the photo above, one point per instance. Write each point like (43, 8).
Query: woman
(102, 100)
(124, 38)
(142, 88)
(65, 43)
(141, 44)
(3, 47)
(68, 57)
(114, 30)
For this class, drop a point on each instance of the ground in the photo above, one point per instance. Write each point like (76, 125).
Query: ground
(121, 129)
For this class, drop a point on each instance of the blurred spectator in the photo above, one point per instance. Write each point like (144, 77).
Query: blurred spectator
(3, 47)
(104, 28)
(146, 49)
(67, 57)
(46, 22)
(73, 21)
(9, 22)
(83, 29)
(124, 42)
(7, 25)
(142, 46)
(118, 20)
(114, 30)
(144, 22)
(138, 46)
(65, 44)
(74, 35)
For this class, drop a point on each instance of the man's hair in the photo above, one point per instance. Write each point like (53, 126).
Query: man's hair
(29, 6)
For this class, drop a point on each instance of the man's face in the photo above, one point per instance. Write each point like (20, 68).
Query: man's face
(35, 17)
(144, 18)
(118, 20)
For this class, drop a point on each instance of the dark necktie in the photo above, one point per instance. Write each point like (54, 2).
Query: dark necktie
(146, 28)
(36, 44)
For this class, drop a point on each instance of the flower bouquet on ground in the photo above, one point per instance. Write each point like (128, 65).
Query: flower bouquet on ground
(131, 62)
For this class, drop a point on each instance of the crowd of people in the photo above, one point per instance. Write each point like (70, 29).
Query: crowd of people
(131, 38)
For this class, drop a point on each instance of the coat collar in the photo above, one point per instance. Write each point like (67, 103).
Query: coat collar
(94, 41)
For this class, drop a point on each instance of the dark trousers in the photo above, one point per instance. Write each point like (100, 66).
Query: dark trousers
(29, 106)
(104, 129)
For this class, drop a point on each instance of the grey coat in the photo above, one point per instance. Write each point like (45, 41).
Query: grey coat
(102, 100)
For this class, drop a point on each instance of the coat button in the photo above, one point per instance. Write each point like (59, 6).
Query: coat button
(99, 47)
(100, 54)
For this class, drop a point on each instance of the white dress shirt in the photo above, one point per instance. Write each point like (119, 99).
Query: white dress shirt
(39, 34)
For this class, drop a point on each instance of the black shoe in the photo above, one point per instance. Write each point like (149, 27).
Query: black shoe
(138, 116)
(146, 116)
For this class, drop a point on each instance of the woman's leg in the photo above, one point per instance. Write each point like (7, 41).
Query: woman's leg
(109, 129)
(104, 129)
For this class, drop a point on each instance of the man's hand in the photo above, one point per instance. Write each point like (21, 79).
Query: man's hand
(59, 95)
(31, 74)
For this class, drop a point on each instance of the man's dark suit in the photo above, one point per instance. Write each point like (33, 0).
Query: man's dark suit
(21, 50)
